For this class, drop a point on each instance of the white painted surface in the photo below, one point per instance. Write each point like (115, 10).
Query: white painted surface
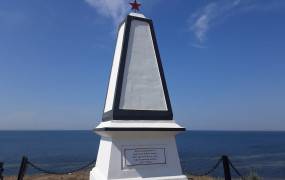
(114, 72)
(102, 162)
(109, 163)
(142, 87)
(137, 14)
(139, 124)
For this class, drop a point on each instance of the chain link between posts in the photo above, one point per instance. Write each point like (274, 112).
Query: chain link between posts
(91, 163)
(236, 171)
(207, 172)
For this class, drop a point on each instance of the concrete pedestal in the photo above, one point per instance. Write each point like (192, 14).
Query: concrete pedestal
(136, 155)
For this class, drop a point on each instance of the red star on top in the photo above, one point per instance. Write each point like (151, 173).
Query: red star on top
(135, 6)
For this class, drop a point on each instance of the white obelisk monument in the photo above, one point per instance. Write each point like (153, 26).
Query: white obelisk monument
(137, 131)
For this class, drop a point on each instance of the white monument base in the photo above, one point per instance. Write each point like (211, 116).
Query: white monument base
(134, 155)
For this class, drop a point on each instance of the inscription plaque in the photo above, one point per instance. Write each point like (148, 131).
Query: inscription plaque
(144, 156)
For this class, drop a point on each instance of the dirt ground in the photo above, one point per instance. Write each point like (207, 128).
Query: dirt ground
(83, 175)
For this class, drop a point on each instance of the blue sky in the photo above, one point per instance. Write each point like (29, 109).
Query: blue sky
(224, 61)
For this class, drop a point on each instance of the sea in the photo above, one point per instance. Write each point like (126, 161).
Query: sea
(251, 152)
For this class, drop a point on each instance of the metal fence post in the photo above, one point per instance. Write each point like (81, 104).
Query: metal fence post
(23, 168)
(1, 170)
(227, 171)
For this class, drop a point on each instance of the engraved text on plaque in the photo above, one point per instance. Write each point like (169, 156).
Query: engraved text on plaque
(144, 156)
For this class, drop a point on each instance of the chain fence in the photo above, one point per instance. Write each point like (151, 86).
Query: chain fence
(1, 170)
(214, 167)
(236, 171)
(88, 165)
(25, 162)
(227, 166)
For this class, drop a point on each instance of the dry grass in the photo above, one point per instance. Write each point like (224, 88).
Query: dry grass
(84, 175)
(202, 178)
(76, 176)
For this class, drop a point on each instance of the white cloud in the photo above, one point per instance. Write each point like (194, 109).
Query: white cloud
(115, 9)
(201, 21)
